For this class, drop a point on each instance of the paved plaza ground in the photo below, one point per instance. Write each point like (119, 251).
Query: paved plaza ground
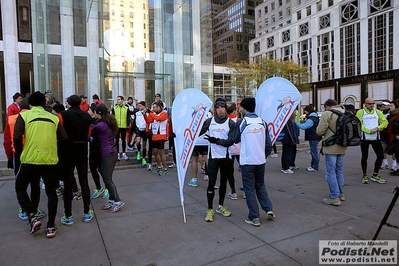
(150, 230)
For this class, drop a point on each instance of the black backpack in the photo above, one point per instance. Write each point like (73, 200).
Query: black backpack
(348, 131)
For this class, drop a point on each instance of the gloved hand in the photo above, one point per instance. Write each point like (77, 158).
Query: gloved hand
(10, 164)
(211, 139)
(148, 111)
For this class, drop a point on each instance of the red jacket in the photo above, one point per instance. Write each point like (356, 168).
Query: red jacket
(391, 136)
(12, 109)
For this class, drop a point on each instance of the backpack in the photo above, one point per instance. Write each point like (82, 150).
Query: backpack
(348, 131)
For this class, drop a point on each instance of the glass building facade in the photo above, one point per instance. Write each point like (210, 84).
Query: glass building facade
(110, 47)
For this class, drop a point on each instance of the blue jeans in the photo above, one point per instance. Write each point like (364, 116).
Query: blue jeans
(314, 153)
(335, 174)
(253, 180)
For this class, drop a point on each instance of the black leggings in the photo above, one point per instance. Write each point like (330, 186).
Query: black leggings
(225, 172)
(122, 134)
(95, 164)
(30, 174)
(377, 147)
(107, 169)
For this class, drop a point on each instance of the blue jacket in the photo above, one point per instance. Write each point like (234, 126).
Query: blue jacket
(310, 126)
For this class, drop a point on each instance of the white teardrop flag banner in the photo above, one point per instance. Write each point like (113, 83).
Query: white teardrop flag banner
(189, 111)
(276, 100)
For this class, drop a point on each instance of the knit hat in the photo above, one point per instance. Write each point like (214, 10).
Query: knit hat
(74, 100)
(37, 99)
(248, 104)
(95, 96)
(101, 109)
(58, 108)
(220, 102)
(83, 96)
(142, 103)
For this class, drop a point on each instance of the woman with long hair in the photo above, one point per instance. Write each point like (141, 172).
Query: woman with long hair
(105, 131)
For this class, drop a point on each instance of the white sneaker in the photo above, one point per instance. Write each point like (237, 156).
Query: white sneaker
(124, 157)
(206, 178)
(232, 196)
(288, 171)
(311, 169)
(119, 156)
(130, 148)
(172, 165)
(149, 167)
(275, 155)
(308, 151)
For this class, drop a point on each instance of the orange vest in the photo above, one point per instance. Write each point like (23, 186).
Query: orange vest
(11, 123)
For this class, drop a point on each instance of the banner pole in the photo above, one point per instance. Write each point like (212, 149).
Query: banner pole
(184, 212)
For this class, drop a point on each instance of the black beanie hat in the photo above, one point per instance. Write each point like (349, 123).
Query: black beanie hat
(58, 108)
(220, 102)
(248, 104)
(101, 109)
(37, 99)
(74, 100)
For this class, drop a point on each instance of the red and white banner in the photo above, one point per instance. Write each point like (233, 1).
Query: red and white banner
(189, 111)
(276, 100)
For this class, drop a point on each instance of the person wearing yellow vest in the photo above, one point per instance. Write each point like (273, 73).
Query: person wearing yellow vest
(373, 121)
(15, 160)
(40, 131)
(122, 115)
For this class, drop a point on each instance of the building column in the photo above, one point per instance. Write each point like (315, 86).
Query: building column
(67, 48)
(10, 49)
(93, 50)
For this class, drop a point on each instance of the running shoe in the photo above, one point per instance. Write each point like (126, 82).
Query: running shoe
(255, 222)
(143, 162)
(77, 195)
(68, 221)
(156, 170)
(216, 186)
(87, 217)
(288, 171)
(274, 155)
(119, 156)
(163, 172)
(172, 165)
(311, 169)
(365, 179)
(223, 211)
(117, 206)
(22, 215)
(35, 225)
(193, 182)
(149, 167)
(232, 196)
(108, 205)
(124, 157)
(209, 215)
(50, 232)
(294, 167)
(97, 193)
(378, 179)
(40, 214)
(270, 215)
(138, 157)
(206, 177)
(60, 191)
(106, 194)
(384, 166)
